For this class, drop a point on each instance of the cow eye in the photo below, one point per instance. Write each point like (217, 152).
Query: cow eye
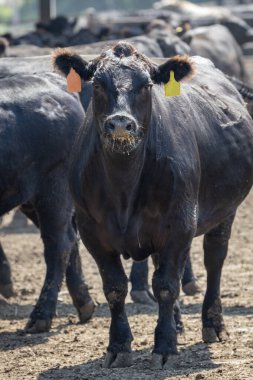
(96, 85)
(145, 88)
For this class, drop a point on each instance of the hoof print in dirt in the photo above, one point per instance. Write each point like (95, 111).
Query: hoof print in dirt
(120, 360)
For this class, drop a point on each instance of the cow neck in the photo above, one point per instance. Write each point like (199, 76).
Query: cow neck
(122, 175)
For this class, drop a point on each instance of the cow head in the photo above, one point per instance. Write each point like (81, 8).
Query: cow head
(122, 90)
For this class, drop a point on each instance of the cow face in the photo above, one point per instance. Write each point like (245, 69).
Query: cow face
(122, 103)
(122, 91)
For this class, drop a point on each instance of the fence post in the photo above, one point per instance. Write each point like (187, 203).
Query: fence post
(47, 10)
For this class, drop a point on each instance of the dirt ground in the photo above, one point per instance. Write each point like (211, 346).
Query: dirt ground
(72, 351)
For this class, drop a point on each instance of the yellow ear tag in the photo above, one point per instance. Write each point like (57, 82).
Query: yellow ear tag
(172, 88)
(74, 83)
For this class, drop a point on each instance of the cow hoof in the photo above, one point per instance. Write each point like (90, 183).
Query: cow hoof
(7, 290)
(209, 335)
(159, 361)
(86, 311)
(38, 326)
(171, 362)
(191, 288)
(120, 360)
(143, 296)
(223, 335)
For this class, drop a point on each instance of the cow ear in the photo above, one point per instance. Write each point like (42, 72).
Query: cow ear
(181, 65)
(65, 59)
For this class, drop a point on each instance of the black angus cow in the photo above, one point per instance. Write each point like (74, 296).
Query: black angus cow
(38, 123)
(149, 173)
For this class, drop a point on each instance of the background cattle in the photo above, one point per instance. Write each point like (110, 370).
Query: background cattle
(217, 44)
(38, 123)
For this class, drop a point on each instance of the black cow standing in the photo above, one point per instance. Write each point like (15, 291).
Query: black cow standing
(38, 124)
(149, 173)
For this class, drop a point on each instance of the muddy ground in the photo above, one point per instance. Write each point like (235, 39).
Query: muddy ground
(72, 351)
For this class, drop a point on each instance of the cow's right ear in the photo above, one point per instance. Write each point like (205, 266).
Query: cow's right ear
(65, 59)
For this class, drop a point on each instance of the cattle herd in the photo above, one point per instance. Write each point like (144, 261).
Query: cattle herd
(135, 173)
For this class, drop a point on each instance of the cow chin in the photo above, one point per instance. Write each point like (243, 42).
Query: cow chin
(123, 144)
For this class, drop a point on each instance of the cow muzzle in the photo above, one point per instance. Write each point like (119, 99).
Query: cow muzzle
(121, 133)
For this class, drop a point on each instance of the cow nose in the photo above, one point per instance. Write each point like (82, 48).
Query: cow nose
(117, 124)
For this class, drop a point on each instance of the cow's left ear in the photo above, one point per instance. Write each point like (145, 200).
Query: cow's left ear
(65, 59)
(181, 65)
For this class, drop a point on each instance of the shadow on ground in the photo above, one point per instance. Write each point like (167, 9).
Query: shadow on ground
(227, 310)
(192, 359)
(16, 339)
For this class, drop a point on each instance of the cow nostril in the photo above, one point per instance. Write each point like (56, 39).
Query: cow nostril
(129, 127)
(111, 126)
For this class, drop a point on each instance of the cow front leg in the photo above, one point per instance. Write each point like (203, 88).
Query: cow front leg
(77, 287)
(166, 286)
(115, 290)
(215, 251)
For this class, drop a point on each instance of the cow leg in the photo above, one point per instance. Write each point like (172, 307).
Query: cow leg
(74, 277)
(77, 287)
(215, 250)
(6, 286)
(189, 281)
(57, 233)
(115, 290)
(166, 286)
(139, 279)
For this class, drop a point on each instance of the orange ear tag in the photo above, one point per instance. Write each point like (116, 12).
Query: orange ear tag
(172, 88)
(74, 83)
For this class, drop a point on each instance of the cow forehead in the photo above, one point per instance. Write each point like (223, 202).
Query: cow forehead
(118, 72)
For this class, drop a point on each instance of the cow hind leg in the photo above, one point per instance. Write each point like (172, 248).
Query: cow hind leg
(139, 279)
(6, 286)
(57, 233)
(189, 281)
(77, 287)
(215, 252)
